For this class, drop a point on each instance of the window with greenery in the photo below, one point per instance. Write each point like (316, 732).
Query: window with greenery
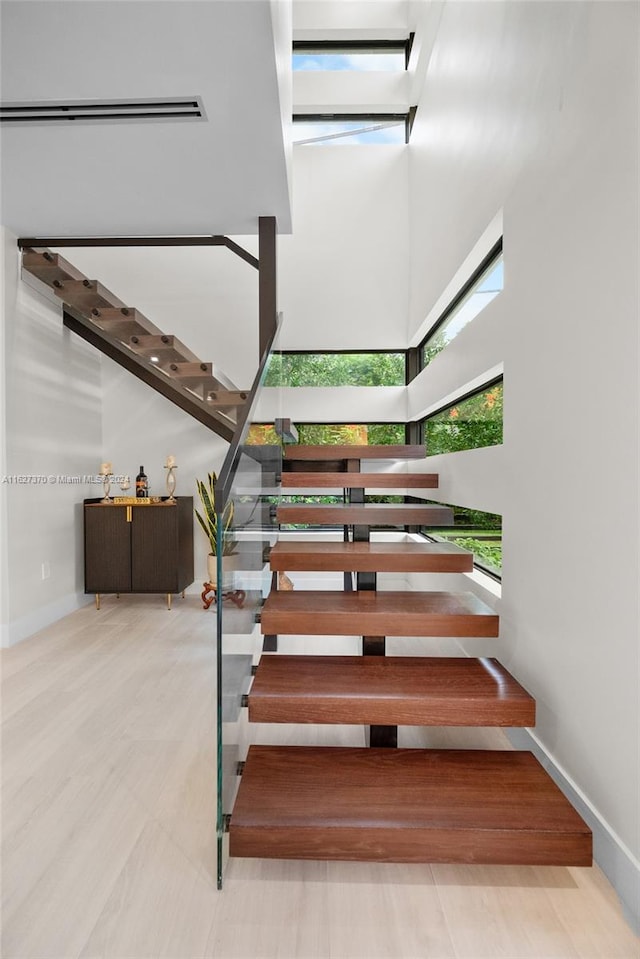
(470, 423)
(336, 369)
(356, 434)
(479, 532)
(480, 289)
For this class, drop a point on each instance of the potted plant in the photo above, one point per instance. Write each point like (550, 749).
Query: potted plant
(208, 520)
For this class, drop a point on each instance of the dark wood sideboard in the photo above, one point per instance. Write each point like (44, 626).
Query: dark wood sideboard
(138, 549)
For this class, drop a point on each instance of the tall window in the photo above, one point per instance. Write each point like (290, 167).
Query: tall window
(472, 422)
(482, 287)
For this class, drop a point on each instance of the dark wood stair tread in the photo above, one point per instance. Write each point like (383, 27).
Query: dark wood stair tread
(299, 480)
(404, 805)
(370, 557)
(364, 613)
(86, 295)
(47, 266)
(353, 452)
(367, 514)
(388, 690)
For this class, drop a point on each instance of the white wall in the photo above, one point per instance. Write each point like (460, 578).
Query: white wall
(344, 275)
(141, 427)
(532, 108)
(53, 429)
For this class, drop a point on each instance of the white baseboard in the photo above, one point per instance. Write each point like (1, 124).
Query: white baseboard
(617, 862)
(38, 619)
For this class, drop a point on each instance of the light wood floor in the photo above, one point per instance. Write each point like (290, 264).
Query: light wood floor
(108, 817)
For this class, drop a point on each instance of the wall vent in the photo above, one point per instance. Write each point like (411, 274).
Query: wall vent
(103, 111)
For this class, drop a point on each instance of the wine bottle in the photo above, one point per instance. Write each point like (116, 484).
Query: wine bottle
(142, 484)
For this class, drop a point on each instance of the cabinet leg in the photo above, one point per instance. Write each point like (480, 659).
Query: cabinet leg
(183, 594)
(97, 600)
(168, 600)
(117, 595)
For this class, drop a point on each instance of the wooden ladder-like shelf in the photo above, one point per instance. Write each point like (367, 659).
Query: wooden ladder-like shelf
(381, 803)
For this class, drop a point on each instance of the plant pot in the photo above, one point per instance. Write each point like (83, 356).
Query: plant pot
(228, 575)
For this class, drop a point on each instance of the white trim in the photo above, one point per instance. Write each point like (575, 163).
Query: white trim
(611, 854)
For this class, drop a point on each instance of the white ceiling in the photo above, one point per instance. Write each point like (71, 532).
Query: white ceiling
(147, 177)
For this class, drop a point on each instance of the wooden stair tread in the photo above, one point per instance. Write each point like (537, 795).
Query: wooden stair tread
(353, 452)
(48, 266)
(389, 514)
(295, 480)
(167, 347)
(370, 557)
(372, 613)
(388, 690)
(404, 805)
(86, 295)
(123, 323)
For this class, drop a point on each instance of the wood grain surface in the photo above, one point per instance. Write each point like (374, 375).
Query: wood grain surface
(398, 690)
(401, 613)
(367, 514)
(352, 452)
(404, 805)
(371, 557)
(365, 480)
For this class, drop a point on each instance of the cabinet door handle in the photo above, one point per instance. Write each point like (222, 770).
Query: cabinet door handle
(129, 514)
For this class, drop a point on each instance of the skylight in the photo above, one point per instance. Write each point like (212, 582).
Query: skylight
(383, 62)
(384, 56)
(349, 132)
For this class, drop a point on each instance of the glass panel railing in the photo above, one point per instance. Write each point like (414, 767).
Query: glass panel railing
(248, 483)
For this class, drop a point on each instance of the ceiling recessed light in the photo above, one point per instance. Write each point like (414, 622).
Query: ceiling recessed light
(155, 359)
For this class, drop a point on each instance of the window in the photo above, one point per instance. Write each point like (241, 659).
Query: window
(358, 434)
(337, 369)
(482, 287)
(335, 129)
(472, 422)
(477, 531)
(359, 55)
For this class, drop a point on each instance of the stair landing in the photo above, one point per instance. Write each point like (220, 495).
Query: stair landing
(404, 805)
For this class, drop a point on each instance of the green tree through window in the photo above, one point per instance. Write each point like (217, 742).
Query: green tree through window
(336, 369)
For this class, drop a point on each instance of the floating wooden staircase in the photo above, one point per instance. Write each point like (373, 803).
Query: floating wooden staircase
(125, 335)
(383, 803)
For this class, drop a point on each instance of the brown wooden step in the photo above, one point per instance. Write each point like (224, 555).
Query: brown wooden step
(388, 690)
(404, 805)
(370, 557)
(123, 323)
(204, 375)
(360, 480)
(364, 613)
(367, 514)
(86, 295)
(353, 452)
(48, 266)
(166, 347)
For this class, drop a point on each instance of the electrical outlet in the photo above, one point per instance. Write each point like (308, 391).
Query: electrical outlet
(46, 569)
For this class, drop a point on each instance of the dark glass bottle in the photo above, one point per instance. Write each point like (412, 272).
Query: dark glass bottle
(142, 483)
